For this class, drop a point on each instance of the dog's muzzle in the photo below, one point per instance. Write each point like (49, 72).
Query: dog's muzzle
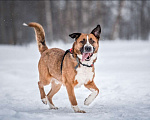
(88, 49)
(87, 53)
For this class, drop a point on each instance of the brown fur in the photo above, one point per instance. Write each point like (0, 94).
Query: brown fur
(40, 36)
(50, 62)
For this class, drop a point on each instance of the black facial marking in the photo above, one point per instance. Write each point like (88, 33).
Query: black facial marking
(93, 49)
(82, 49)
(91, 41)
(82, 41)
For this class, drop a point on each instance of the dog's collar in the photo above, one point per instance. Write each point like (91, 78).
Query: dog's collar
(78, 61)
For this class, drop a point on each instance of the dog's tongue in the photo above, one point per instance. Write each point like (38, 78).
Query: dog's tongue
(85, 55)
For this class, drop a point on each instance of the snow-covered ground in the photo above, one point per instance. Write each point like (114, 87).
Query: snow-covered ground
(122, 75)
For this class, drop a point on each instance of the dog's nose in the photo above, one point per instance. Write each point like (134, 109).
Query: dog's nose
(88, 48)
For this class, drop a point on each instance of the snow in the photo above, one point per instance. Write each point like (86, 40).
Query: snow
(122, 75)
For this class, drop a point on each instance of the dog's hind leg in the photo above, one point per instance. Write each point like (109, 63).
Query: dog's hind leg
(44, 81)
(42, 92)
(55, 87)
(92, 87)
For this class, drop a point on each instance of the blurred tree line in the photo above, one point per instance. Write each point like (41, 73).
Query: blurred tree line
(118, 19)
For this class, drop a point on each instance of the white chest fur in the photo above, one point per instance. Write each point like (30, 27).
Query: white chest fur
(84, 75)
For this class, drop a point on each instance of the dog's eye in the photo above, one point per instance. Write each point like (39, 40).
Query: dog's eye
(83, 41)
(92, 41)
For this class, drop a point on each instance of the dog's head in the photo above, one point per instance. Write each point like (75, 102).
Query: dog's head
(86, 45)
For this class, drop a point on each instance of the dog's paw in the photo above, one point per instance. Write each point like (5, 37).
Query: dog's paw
(77, 110)
(51, 106)
(44, 100)
(87, 101)
(90, 98)
(80, 111)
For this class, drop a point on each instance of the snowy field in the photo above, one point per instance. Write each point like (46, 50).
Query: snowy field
(122, 75)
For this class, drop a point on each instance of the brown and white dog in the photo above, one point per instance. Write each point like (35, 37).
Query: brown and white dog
(77, 66)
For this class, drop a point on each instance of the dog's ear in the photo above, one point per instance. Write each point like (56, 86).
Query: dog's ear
(96, 31)
(75, 35)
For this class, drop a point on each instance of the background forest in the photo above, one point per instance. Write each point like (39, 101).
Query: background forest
(118, 19)
(122, 68)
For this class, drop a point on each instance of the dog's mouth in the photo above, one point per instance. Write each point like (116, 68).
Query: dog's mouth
(86, 56)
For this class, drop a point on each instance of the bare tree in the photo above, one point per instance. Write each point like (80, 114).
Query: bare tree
(143, 24)
(14, 34)
(49, 19)
(85, 14)
(79, 15)
(115, 30)
(2, 24)
(68, 19)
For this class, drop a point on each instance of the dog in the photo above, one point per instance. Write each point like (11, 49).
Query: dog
(72, 68)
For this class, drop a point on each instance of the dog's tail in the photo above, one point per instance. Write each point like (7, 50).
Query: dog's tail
(40, 35)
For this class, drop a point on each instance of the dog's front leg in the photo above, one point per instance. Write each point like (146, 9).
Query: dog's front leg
(92, 87)
(72, 98)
